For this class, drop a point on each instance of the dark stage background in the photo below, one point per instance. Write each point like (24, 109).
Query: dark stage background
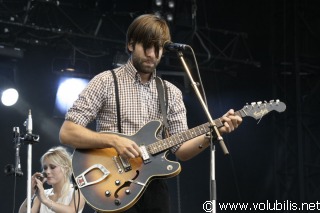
(247, 51)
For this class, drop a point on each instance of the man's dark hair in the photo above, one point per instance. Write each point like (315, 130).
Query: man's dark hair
(149, 30)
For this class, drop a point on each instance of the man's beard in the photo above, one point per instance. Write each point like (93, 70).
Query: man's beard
(141, 67)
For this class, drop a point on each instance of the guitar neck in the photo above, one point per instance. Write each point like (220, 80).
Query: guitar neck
(179, 138)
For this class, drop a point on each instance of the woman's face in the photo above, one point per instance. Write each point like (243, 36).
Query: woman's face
(54, 172)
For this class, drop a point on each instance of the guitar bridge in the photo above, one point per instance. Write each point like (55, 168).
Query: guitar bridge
(82, 181)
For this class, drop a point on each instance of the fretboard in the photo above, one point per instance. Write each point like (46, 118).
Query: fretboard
(179, 138)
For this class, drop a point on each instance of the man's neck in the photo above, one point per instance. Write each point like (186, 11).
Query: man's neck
(145, 77)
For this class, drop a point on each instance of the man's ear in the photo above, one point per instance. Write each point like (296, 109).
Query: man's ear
(130, 46)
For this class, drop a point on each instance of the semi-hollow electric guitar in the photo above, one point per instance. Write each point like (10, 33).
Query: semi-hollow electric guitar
(110, 183)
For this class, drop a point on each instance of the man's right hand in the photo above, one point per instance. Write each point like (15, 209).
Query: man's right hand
(127, 148)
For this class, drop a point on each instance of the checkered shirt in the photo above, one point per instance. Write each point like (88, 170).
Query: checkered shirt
(139, 103)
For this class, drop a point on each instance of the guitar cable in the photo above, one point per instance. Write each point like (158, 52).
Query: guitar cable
(76, 206)
(75, 188)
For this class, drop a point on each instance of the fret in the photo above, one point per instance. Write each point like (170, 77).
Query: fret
(241, 113)
(170, 141)
(203, 129)
(152, 148)
(198, 130)
(189, 134)
(218, 122)
(159, 146)
(192, 133)
(181, 139)
(166, 144)
(175, 139)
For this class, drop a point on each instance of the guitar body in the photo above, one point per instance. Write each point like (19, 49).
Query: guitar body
(124, 183)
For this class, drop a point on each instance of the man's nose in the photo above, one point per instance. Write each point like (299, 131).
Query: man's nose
(150, 52)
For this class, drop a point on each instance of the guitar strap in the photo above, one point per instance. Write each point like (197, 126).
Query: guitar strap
(116, 88)
(163, 97)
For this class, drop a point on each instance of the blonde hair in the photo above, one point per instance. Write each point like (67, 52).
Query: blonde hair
(60, 157)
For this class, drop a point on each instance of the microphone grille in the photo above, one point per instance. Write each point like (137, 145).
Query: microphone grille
(44, 174)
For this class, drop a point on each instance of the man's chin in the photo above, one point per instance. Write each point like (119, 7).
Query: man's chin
(147, 69)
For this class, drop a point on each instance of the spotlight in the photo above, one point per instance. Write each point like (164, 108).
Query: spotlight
(9, 94)
(158, 14)
(171, 4)
(158, 3)
(68, 90)
(169, 17)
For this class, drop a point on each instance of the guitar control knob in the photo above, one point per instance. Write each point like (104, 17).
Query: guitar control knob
(117, 202)
(117, 182)
(128, 191)
(108, 193)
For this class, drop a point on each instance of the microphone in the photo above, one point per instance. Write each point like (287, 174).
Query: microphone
(16, 134)
(29, 137)
(29, 123)
(42, 176)
(17, 168)
(170, 46)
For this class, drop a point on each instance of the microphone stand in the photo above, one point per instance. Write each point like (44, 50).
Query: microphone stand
(214, 134)
(29, 139)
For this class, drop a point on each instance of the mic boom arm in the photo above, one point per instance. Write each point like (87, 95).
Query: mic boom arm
(213, 125)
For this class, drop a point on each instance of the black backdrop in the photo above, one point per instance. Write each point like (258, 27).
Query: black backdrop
(275, 159)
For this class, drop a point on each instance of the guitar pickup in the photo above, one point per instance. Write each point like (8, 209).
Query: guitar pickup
(125, 164)
(145, 155)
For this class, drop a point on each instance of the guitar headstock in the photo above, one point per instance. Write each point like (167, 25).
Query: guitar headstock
(259, 109)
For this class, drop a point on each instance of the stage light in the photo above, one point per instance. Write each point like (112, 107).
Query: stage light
(164, 9)
(169, 17)
(71, 65)
(9, 94)
(68, 91)
(158, 3)
(171, 4)
(158, 14)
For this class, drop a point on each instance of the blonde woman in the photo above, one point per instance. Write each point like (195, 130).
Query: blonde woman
(62, 197)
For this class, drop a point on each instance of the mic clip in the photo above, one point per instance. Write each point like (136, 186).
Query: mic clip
(10, 169)
(31, 138)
